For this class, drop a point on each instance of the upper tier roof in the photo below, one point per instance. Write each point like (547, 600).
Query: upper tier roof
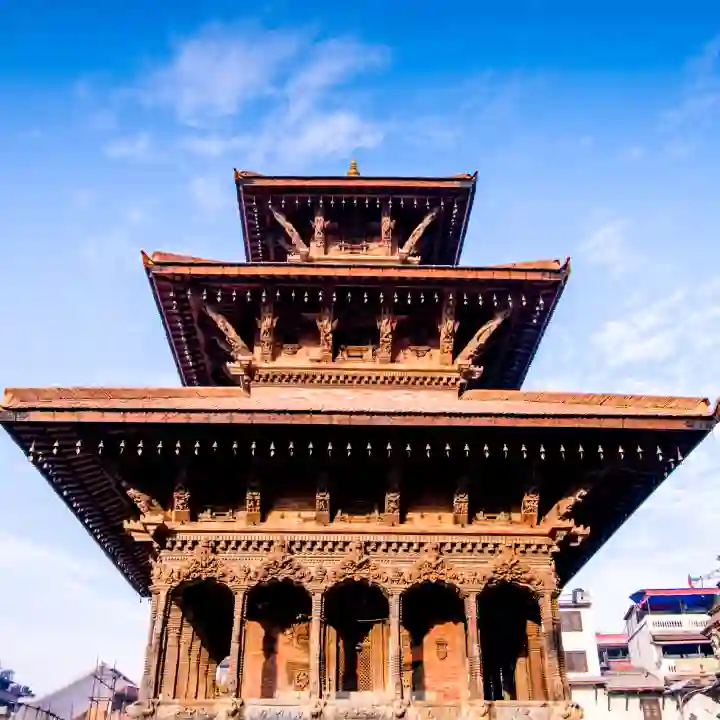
(409, 196)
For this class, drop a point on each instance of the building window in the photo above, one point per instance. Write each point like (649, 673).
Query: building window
(571, 621)
(576, 661)
(651, 708)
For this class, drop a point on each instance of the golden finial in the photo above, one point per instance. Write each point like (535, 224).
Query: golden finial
(353, 169)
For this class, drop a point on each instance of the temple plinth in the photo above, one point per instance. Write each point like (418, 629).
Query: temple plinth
(351, 509)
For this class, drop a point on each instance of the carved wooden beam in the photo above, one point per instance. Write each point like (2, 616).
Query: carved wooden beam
(234, 344)
(386, 325)
(266, 324)
(469, 354)
(195, 309)
(564, 508)
(448, 326)
(461, 503)
(410, 245)
(298, 243)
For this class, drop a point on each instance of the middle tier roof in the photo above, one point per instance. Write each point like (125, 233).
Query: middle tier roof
(433, 327)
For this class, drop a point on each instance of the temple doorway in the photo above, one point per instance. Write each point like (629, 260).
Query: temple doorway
(356, 638)
(434, 655)
(277, 640)
(198, 637)
(510, 639)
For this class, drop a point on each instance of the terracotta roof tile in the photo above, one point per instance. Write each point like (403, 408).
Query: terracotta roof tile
(357, 400)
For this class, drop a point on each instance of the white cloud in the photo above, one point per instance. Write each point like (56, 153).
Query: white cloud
(214, 74)
(135, 147)
(608, 248)
(675, 334)
(266, 96)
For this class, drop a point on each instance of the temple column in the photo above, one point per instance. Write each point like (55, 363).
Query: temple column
(170, 666)
(193, 667)
(234, 681)
(316, 643)
(203, 664)
(394, 650)
(552, 648)
(473, 646)
(183, 663)
(158, 610)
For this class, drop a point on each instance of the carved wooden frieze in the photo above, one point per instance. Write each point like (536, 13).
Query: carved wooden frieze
(509, 567)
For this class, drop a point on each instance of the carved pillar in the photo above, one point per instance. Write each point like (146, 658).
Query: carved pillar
(183, 663)
(535, 654)
(203, 665)
(556, 687)
(473, 646)
(158, 615)
(392, 498)
(172, 649)
(394, 650)
(557, 629)
(210, 678)
(316, 643)
(448, 326)
(193, 667)
(253, 509)
(234, 681)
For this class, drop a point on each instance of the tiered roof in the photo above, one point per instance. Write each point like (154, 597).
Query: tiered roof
(351, 336)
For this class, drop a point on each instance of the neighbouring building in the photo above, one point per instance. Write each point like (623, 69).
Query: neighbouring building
(12, 693)
(102, 694)
(639, 673)
(351, 505)
(665, 631)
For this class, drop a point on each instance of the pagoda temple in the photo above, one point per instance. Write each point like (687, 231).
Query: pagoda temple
(350, 505)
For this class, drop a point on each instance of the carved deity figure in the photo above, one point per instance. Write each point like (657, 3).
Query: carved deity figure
(387, 225)
(326, 324)
(266, 324)
(386, 325)
(181, 498)
(319, 225)
(448, 326)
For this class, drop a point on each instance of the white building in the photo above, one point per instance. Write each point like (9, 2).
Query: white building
(664, 629)
(655, 671)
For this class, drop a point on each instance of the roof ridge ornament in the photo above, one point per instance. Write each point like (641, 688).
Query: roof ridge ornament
(353, 169)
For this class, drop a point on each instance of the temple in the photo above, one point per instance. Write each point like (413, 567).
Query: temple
(351, 506)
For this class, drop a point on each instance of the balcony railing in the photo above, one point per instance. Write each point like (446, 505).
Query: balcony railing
(677, 623)
(693, 666)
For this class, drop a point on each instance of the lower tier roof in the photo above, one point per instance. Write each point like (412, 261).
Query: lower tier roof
(92, 444)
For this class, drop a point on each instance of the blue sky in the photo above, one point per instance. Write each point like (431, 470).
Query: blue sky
(595, 136)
